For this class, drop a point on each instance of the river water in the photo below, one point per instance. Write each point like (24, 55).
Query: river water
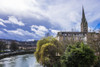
(27, 60)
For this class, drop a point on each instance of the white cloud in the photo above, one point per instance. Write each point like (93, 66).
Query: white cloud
(14, 32)
(65, 13)
(54, 32)
(42, 30)
(12, 20)
(20, 32)
(39, 30)
(1, 32)
(21, 8)
(2, 24)
(30, 40)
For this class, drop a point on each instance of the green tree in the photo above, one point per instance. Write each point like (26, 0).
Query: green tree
(69, 41)
(78, 55)
(47, 49)
(94, 43)
(13, 46)
(97, 64)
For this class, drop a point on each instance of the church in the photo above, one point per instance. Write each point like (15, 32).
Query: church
(84, 35)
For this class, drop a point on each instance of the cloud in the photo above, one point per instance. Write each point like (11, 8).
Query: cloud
(2, 24)
(62, 15)
(20, 32)
(17, 32)
(36, 33)
(1, 32)
(21, 8)
(39, 30)
(54, 32)
(12, 20)
(30, 40)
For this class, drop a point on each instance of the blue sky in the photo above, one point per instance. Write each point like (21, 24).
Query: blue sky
(32, 19)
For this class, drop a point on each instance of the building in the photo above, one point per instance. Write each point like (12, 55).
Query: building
(27, 44)
(84, 24)
(84, 35)
(21, 44)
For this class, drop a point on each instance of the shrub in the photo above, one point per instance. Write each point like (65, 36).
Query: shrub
(78, 55)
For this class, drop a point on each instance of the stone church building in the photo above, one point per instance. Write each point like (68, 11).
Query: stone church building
(84, 35)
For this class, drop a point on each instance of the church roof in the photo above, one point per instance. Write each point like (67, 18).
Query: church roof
(60, 33)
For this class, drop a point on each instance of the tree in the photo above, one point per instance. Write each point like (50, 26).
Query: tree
(78, 55)
(47, 49)
(97, 63)
(48, 54)
(13, 46)
(2, 46)
(70, 41)
(94, 43)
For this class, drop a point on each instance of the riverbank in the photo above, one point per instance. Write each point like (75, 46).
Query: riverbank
(15, 53)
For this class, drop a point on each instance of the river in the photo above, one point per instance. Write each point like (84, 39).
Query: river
(27, 60)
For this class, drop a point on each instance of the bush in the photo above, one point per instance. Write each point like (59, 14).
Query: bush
(78, 55)
(97, 64)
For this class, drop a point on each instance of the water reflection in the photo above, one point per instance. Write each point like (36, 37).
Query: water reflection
(27, 60)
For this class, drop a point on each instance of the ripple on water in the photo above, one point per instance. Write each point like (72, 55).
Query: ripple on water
(27, 60)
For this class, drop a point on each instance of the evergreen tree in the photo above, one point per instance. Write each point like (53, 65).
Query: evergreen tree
(78, 55)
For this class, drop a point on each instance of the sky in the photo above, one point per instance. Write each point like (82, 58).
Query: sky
(28, 20)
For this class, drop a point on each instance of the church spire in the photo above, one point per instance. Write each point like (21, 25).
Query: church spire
(84, 24)
(83, 15)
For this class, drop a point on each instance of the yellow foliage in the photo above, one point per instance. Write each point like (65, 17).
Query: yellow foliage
(47, 49)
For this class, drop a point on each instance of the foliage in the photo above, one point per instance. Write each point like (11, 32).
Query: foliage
(47, 49)
(94, 42)
(13, 46)
(2, 46)
(70, 41)
(48, 54)
(78, 55)
(97, 64)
